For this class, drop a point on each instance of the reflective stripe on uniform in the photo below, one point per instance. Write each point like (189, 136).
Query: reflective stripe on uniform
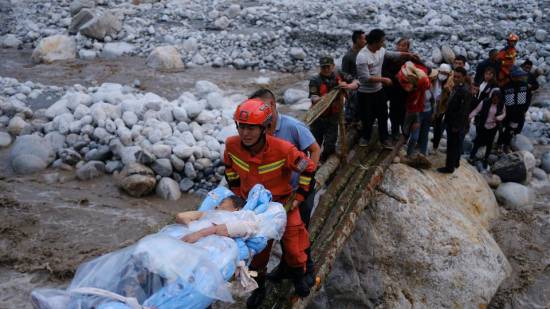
(304, 180)
(232, 175)
(240, 163)
(266, 168)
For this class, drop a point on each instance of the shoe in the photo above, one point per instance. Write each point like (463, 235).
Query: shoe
(387, 145)
(363, 142)
(301, 288)
(310, 269)
(445, 170)
(257, 297)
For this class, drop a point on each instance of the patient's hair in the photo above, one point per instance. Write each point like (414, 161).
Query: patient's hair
(238, 202)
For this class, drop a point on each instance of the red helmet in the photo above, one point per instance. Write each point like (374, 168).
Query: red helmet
(253, 111)
(513, 37)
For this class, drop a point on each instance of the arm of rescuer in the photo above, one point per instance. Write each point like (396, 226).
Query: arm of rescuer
(301, 164)
(232, 177)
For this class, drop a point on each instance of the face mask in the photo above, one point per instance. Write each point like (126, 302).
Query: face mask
(442, 77)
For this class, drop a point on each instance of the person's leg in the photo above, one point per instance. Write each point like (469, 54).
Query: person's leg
(259, 264)
(489, 138)
(381, 110)
(425, 123)
(317, 130)
(413, 139)
(330, 136)
(366, 115)
(453, 138)
(295, 243)
(438, 131)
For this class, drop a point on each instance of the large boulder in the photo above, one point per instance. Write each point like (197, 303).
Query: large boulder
(514, 196)
(80, 20)
(511, 168)
(448, 54)
(54, 48)
(137, 180)
(103, 23)
(30, 154)
(420, 244)
(165, 58)
(77, 5)
(545, 162)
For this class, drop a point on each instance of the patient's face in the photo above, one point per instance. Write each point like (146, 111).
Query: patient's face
(227, 205)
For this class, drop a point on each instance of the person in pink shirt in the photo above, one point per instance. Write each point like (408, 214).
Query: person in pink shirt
(491, 112)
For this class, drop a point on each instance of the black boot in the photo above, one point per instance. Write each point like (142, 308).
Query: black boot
(279, 273)
(301, 287)
(257, 297)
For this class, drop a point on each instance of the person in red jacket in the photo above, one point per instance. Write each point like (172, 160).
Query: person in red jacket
(414, 79)
(254, 157)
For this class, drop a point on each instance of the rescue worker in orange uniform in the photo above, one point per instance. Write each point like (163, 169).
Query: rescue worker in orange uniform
(507, 58)
(254, 157)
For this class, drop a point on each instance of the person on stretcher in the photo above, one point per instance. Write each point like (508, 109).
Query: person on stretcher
(230, 203)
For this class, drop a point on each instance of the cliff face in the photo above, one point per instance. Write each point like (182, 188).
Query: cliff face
(423, 243)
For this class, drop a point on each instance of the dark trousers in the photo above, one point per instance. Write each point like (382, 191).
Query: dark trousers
(506, 131)
(439, 126)
(325, 131)
(397, 97)
(484, 137)
(351, 109)
(373, 106)
(453, 149)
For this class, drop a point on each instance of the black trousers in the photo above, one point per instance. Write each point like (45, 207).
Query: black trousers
(325, 131)
(484, 137)
(397, 97)
(506, 131)
(453, 149)
(439, 126)
(373, 106)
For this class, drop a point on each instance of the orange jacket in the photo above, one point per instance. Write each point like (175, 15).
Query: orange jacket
(272, 168)
(507, 58)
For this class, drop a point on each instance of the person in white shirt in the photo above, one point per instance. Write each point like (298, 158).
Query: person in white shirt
(371, 97)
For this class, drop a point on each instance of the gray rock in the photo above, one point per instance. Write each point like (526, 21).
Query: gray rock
(292, 96)
(5, 139)
(113, 166)
(165, 58)
(189, 171)
(69, 156)
(514, 196)
(162, 167)
(437, 57)
(204, 87)
(91, 169)
(145, 157)
(448, 54)
(297, 53)
(540, 35)
(510, 168)
(521, 142)
(77, 5)
(222, 23)
(30, 154)
(177, 163)
(86, 54)
(80, 20)
(54, 48)
(186, 184)
(10, 41)
(117, 49)
(102, 153)
(421, 237)
(539, 174)
(545, 162)
(168, 189)
(18, 126)
(137, 180)
(161, 150)
(104, 23)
